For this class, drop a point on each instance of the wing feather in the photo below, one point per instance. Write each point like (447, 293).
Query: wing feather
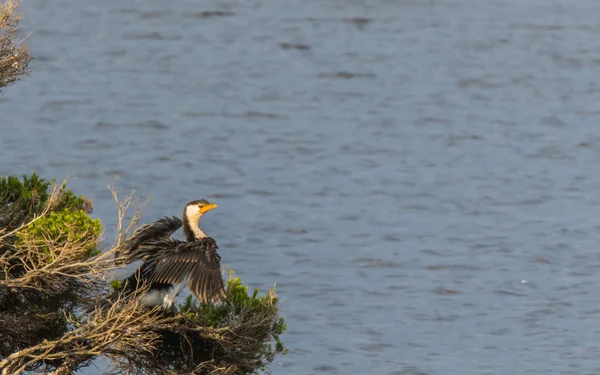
(207, 285)
(203, 286)
(205, 290)
(175, 268)
(175, 261)
(165, 272)
(196, 283)
(160, 229)
(213, 286)
(220, 288)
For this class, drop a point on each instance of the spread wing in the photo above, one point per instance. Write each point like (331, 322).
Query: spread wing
(174, 261)
(160, 229)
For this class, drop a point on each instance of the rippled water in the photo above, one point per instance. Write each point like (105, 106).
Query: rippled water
(418, 177)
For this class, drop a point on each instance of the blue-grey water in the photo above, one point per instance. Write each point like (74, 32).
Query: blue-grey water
(420, 178)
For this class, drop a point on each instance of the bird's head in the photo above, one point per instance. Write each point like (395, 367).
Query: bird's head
(195, 209)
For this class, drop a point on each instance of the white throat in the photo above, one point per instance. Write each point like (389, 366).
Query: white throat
(193, 216)
(198, 233)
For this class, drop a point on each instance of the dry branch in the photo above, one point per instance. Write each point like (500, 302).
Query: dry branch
(14, 55)
(43, 282)
(119, 332)
(51, 264)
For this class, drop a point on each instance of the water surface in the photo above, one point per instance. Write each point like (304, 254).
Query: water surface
(418, 177)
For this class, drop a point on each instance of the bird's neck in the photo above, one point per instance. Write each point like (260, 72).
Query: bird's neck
(191, 229)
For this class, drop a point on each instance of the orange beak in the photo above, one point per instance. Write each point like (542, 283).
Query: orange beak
(207, 208)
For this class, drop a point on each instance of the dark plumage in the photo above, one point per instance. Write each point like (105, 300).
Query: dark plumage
(174, 262)
(161, 228)
(169, 264)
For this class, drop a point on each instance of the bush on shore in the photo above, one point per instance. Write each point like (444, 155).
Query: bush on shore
(52, 269)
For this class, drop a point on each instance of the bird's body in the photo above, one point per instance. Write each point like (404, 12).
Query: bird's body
(169, 265)
(161, 296)
(158, 294)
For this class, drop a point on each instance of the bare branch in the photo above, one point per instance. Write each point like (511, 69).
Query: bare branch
(125, 233)
(45, 261)
(14, 55)
(118, 332)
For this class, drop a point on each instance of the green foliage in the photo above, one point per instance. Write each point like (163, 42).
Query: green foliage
(39, 228)
(238, 303)
(31, 193)
(22, 199)
(61, 227)
(71, 202)
(116, 285)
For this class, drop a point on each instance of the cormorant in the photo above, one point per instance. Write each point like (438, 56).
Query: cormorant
(170, 264)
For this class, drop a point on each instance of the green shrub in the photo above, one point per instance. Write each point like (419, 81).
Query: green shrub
(30, 194)
(63, 227)
(240, 335)
(237, 306)
(63, 236)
